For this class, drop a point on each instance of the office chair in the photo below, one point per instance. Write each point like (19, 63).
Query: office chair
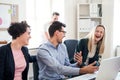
(35, 70)
(71, 45)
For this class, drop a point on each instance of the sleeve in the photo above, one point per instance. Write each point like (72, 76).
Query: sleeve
(44, 56)
(46, 26)
(2, 62)
(31, 58)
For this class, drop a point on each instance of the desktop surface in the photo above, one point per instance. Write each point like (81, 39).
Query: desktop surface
(89, 76)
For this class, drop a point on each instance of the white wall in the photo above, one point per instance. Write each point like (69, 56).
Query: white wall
(38, 14)
(107, 21)
(71, 18)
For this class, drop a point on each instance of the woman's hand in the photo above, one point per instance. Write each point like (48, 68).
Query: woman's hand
(78, 57)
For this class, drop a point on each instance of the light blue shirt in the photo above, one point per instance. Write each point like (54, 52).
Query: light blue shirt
(54, 63)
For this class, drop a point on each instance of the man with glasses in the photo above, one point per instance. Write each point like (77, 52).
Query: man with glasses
(53, 59)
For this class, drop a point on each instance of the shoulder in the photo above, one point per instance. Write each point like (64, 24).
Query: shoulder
(25, 48)
(48, 46)
(4, 50)
(47, 24)
(62, 45)
(5, 47)
(83, 40)
(44, 47)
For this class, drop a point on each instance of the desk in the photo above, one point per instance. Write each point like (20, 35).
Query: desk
(85, 77)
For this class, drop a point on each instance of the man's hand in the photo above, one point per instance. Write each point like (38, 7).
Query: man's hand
(89, 69)
(78, 57)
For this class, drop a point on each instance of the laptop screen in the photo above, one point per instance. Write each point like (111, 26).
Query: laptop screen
(108, 69)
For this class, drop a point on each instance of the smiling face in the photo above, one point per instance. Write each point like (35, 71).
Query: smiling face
(99, 33)
(24, 38)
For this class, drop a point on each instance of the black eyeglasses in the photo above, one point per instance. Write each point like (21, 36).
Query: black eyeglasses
(63, 31)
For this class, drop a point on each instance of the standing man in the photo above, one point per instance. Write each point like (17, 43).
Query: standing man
(53, 58)
(55, 17)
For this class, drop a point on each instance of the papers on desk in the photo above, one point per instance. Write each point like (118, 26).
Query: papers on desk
(84, 77)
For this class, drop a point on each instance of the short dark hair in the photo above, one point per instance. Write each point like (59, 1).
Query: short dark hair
(55, 13)
(56, 25)
(16, 29)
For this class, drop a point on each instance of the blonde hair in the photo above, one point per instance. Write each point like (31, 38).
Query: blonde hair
(101, 43)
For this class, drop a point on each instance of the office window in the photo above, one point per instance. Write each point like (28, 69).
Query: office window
(37, 14)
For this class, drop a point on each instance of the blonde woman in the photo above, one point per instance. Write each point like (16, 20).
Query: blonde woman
(92, 46)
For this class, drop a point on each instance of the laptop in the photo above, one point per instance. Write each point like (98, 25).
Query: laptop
(108, 70)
